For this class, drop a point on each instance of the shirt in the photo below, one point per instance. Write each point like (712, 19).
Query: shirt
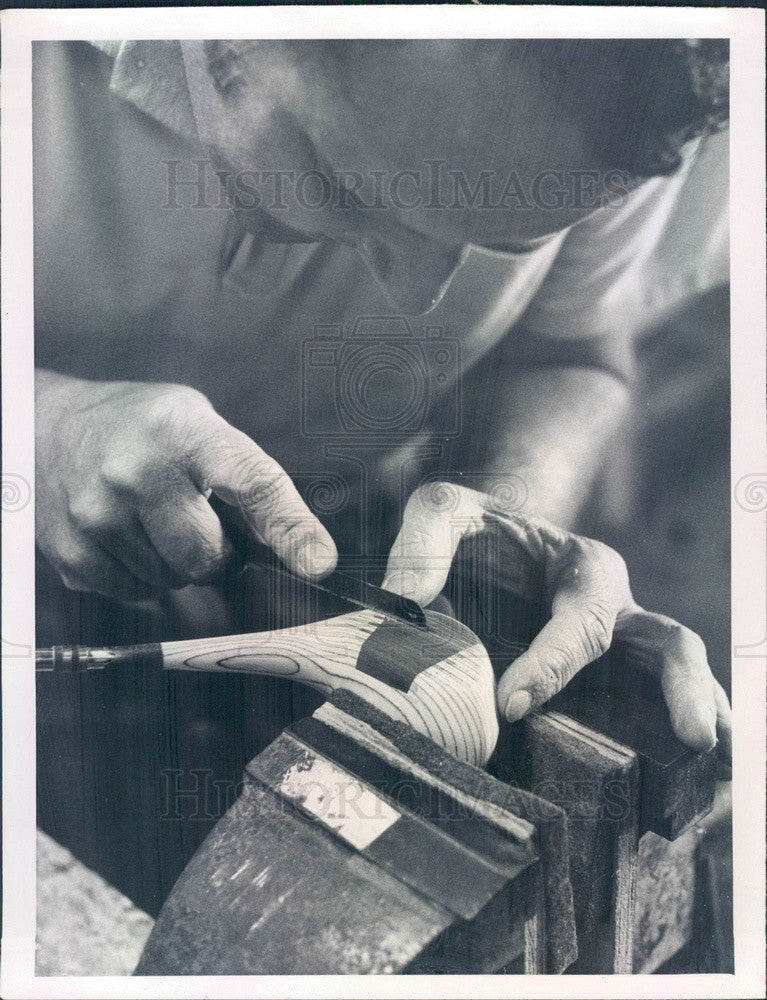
(139, 277)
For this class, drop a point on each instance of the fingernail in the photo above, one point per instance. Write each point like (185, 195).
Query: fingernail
(700, 734)
(400, 583)
(315, 558)
(519, 704)
(709, 726)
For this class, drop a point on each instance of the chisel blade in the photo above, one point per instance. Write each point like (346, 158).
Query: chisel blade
(361, 594)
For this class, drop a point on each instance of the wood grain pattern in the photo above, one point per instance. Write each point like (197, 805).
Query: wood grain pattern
(437, 678)
(443, 682)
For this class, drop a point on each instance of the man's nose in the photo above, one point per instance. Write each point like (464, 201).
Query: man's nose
(413, 270)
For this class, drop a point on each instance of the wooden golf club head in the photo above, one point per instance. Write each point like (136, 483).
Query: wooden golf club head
(439, 679)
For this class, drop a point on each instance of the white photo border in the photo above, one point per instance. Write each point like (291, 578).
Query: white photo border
(745, 29)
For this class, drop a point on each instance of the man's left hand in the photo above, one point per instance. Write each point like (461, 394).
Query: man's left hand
(591, 604)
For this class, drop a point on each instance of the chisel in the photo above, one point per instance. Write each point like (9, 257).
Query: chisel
(419, 667)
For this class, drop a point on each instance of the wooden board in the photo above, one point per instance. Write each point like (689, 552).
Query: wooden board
(595, 781)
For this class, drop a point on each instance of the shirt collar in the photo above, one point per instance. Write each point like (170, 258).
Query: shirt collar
(151, 75)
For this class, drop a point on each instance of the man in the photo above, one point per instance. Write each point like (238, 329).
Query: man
(513, 194)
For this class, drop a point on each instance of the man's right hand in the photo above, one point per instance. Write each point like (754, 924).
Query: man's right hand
(123, 473)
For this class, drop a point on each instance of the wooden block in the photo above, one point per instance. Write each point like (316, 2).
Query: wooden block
(684, 897)
(665, 892)
(595, 781)
(713, 942)
(269, 893)
(618, 746)
(396, 840)
(620, 699)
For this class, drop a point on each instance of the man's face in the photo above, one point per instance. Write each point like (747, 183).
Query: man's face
(410, 151)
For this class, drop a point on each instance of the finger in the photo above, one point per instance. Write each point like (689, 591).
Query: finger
(442, 605)
(436, 518)
(723, 723)
(686, 679)
(243, 475)
(87, 567)
(580, 630)
(131, 546)
(186, 533)
(101, 520)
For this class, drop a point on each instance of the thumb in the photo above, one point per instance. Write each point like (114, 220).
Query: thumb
(437, 516)
(243, 475)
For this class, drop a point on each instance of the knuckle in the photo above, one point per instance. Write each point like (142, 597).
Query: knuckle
(613, 567)
(124, 472)
(178, 394)
(565, 554)
(680, 642)
(592, 551)
(689, 644)
(615, 563)
(82, 570)
(174, 410)
(204, 561)
(177, 400)
(89, 511)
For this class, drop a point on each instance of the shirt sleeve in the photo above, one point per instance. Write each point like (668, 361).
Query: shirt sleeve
(624, 268)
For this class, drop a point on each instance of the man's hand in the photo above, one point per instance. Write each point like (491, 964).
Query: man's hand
(591, 604)
(124, 471)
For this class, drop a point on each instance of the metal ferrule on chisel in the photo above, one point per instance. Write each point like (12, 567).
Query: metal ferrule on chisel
(78, 659)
